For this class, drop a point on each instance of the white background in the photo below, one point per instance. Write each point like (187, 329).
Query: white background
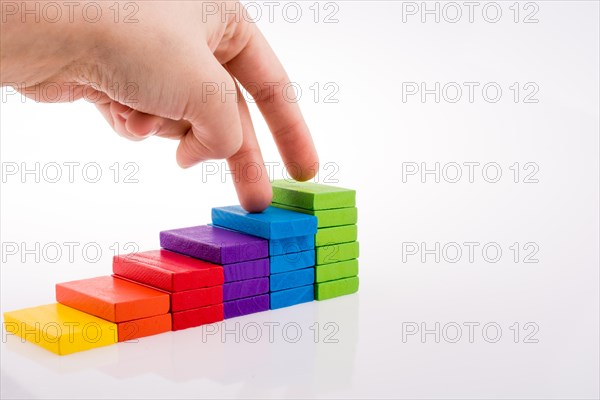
(370, 134)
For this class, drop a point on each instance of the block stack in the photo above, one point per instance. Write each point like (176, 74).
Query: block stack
(244, 260)
(336, 269)
(301, 248)
(194, 287)
(291, 249)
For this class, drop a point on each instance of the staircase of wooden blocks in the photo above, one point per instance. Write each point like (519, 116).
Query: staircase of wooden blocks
(303, 247)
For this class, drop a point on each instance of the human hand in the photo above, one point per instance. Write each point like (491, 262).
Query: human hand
(176, 54)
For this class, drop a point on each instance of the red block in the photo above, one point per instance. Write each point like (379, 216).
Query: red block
(197, 317)
(168, 270)
(196, 298)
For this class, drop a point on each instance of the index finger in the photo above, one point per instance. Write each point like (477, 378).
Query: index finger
(257, 68)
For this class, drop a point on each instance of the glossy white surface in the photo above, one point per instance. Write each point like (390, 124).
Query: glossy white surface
(368, 134)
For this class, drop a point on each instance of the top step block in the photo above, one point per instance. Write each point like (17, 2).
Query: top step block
(213, 244)
(167, 270)
(273, 223)
(312, 196)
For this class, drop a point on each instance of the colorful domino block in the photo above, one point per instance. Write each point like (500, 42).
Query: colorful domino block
(312, 196)
(336, 234)
(60, 329)
(290, 297)
(292, 279)
(338, 270)
(291, 245)
(196, 317)
(327, 218)
(213, 244)
(340, 287)
(246, 270)
(113, 299)
(336, 253)
(292, 261)
(139, 328)
(196, 298)
(273, 223)
(245, 306)
(167, 270)
(245, 288)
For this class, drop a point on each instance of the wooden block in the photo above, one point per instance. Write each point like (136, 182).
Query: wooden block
(327, 218)
(292, 279)
(290, 297)
(246, 288)
(196, 317)
(139, 328)
(273, 223)
(196, 298)
(189, 299)
(292, 261)
(291, 245)
(113, 299)
(167, 270)
(340, 287)
(246, 270)
(338, 270)
(336, 253)
(60, 329)
(248, 305)
(214, 244)
(312, 196)
(336, 234)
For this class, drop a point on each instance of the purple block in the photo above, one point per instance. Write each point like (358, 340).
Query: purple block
(246, 270)
(216, 245)
(247, 288)
(249, 305)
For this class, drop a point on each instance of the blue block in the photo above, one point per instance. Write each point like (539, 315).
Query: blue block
(292, 279)
(292, 261)
(273, 223)
(291, 245)
(290, 297)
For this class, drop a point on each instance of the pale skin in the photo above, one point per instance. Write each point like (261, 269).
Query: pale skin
(166, 67)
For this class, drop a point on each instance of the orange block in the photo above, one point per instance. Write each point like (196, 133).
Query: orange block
(112, 298)
(143, 327)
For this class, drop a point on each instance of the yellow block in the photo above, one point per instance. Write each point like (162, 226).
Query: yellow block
(60, 329)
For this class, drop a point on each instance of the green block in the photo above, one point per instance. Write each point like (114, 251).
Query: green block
(336, 234)
(312, 196)
(336, 253)
(327, 218)
(331, 289)
(338, 270)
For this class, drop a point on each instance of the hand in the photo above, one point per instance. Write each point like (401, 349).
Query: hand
(183, 59)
